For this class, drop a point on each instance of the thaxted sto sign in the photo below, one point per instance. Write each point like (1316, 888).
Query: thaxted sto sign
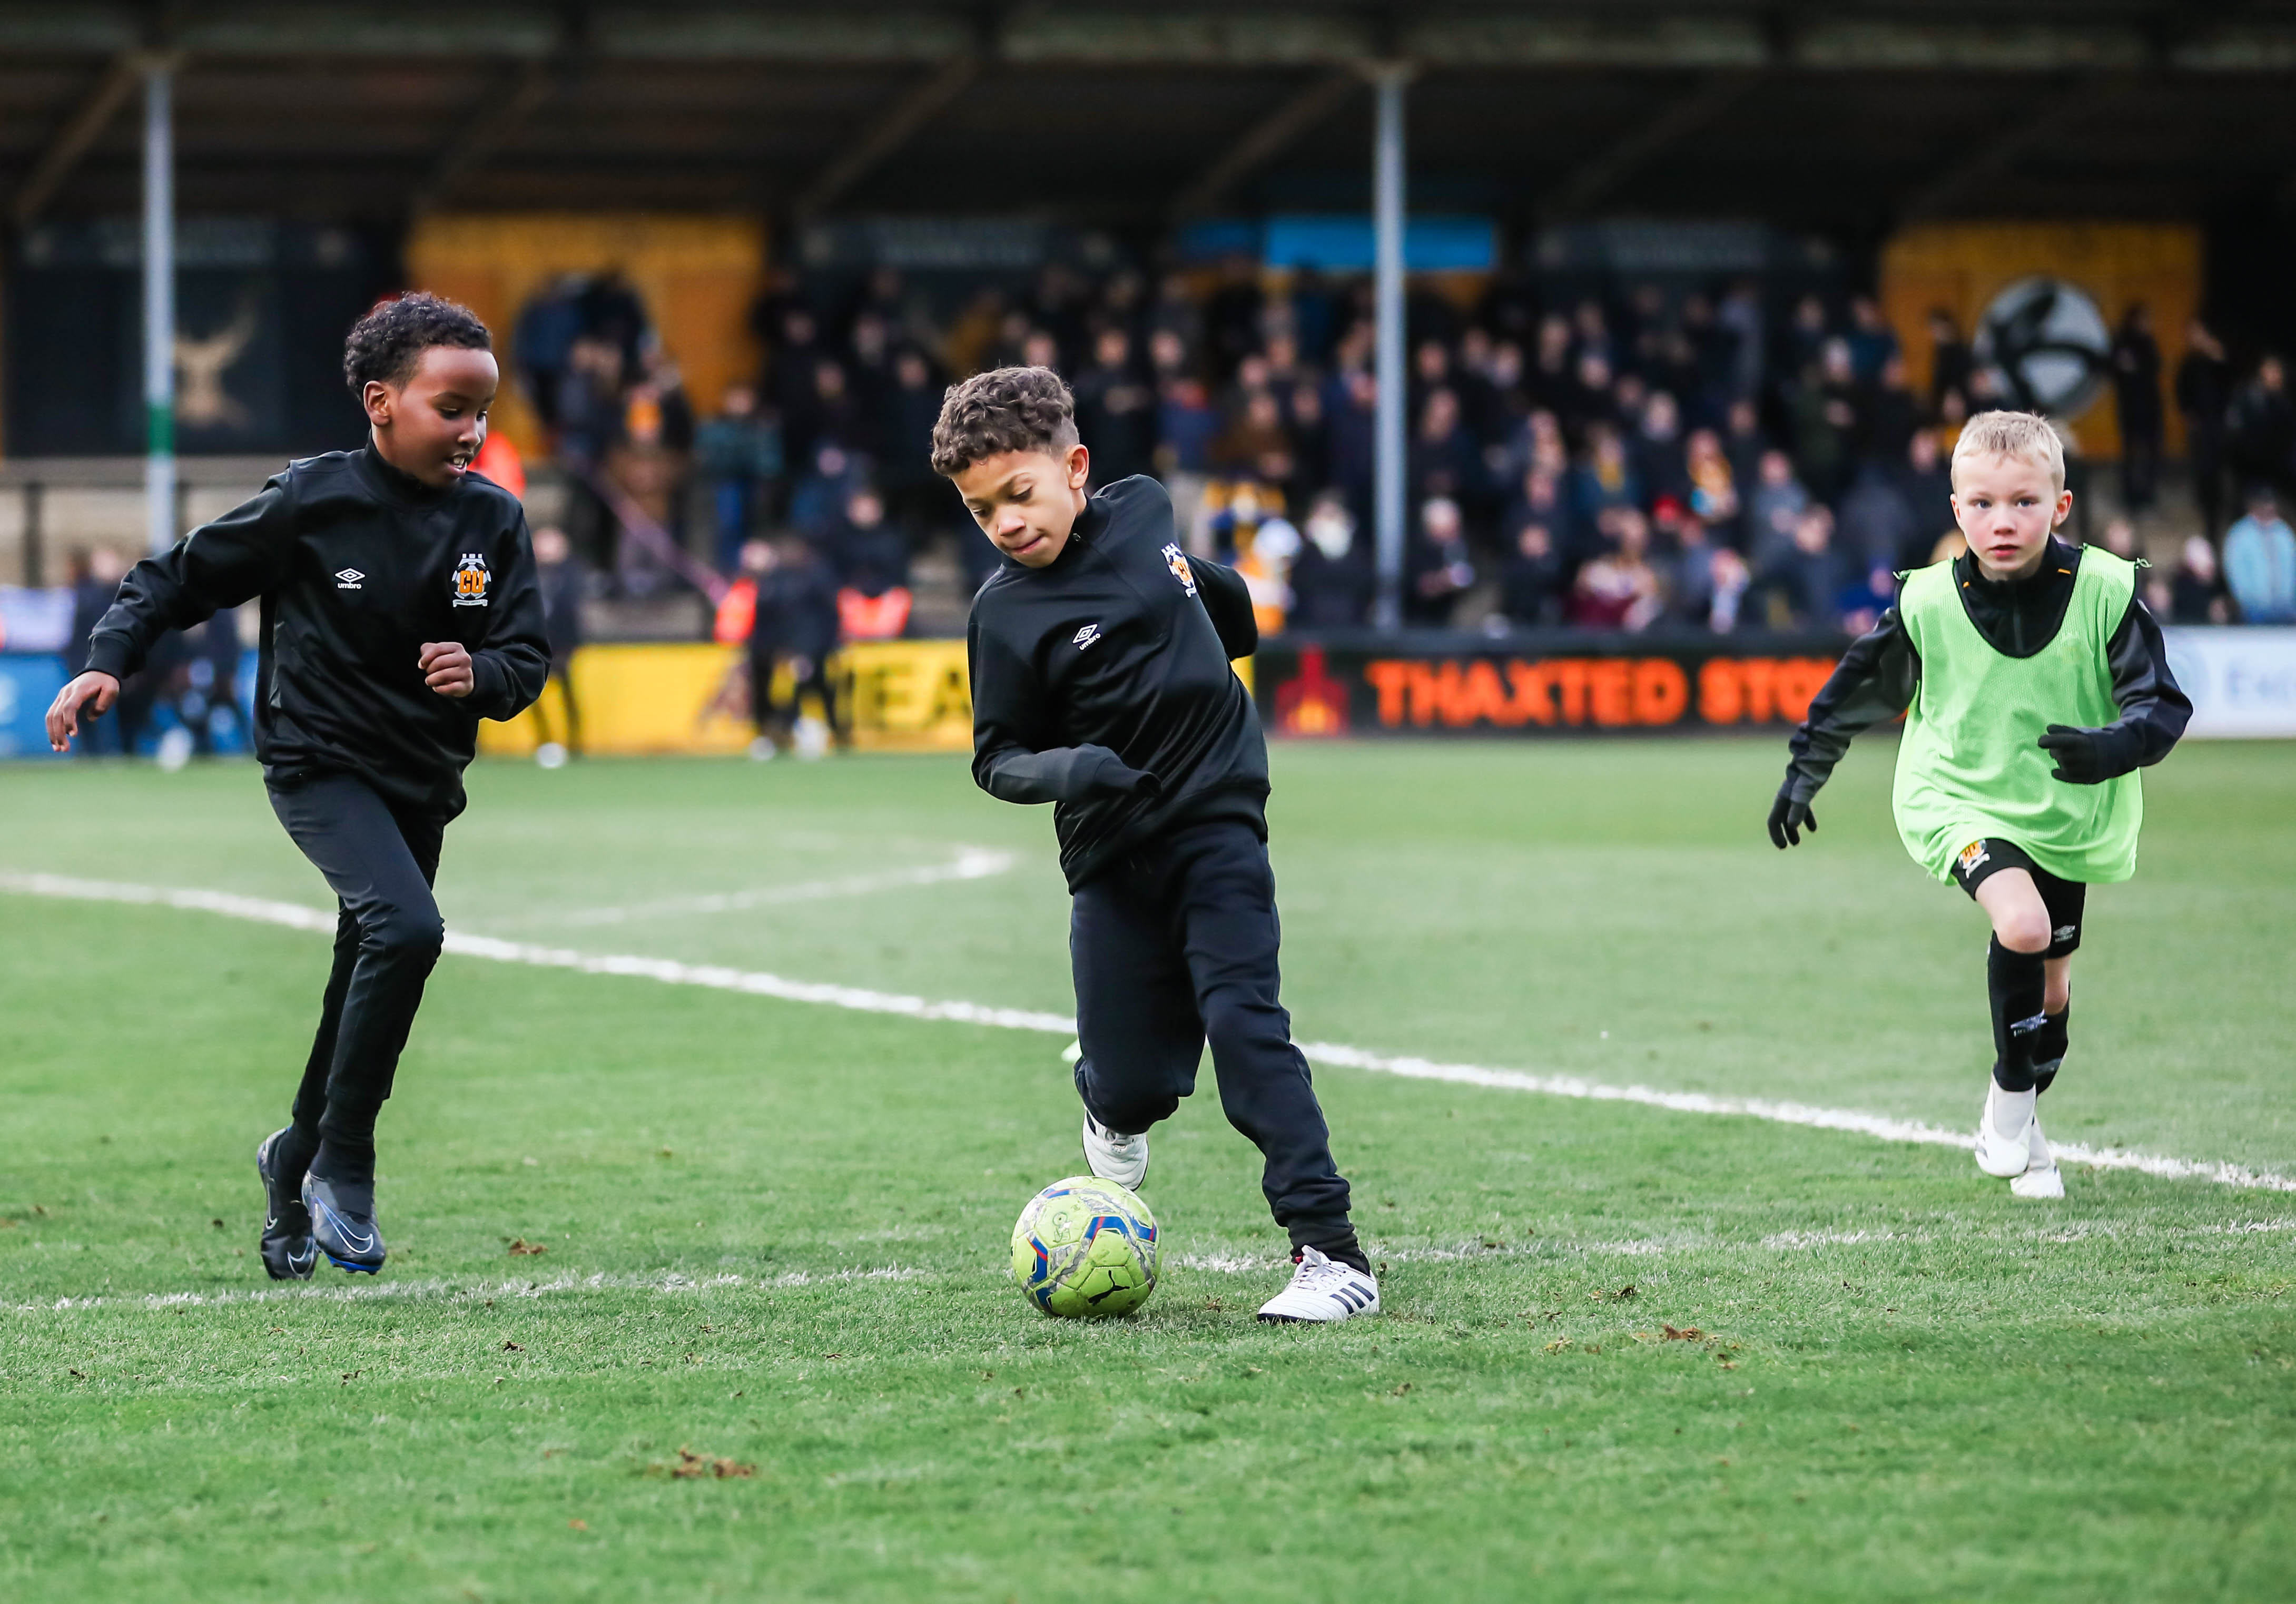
(1537, 686)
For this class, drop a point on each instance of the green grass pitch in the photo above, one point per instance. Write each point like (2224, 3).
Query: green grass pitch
(769, 1349)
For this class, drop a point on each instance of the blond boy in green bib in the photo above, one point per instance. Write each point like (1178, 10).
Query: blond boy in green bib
(2035, 686)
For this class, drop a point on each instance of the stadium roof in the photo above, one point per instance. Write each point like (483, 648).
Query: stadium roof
(1846, 117)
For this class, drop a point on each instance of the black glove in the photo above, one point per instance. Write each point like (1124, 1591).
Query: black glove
(1790, 818)
(2080, 754)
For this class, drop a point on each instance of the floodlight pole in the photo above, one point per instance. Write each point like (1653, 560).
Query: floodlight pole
(1389, 77)
(158, 303)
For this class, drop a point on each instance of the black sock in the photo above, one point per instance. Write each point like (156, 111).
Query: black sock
(2049, 1043)
(2016, 985)
(298, 1146)
(1333, 1242)
(350, 1173)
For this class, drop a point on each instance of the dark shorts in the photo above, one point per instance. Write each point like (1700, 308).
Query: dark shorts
(2065, 900)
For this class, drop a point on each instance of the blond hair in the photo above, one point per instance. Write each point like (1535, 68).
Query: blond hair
(2026, 434)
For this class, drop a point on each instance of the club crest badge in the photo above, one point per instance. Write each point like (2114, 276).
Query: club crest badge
(471, 580)
(1176, 561)
(1972, 856)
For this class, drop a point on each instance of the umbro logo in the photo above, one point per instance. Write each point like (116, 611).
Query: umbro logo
(2064, 932)
(1087, 635)
(349, 578)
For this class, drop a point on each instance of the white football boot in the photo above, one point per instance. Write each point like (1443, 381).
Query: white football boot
(2041, 1178)
(1115, 1156)
(2005, 1156)
(1323, 1290)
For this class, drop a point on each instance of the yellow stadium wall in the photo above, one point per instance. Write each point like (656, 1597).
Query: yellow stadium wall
(899, 696)
(1962, 266)
(698, 277)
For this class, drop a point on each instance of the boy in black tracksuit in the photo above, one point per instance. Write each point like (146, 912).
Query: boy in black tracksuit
(399, 607)
(1100, 683)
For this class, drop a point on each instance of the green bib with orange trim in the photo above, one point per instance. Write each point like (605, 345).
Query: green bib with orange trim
(1971, 765)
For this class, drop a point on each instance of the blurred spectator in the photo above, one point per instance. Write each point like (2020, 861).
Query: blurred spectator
(1116, 412)
(1950, 363)
(1877, 528)
(1707, 581)
(2120, 539)
(589, 403)
(2204, 395)
(817, 499)
(1660, 466)
(914, 494)
(1331, 577)
(95, 577)
(1438, 569)
(1926, 484)
(1873, 342)
(2263, 430)
(2136, 406)
(871, 561)
(862, 548)
(1713, 486)
(1777, 505)
(1618, 589)
(561, 583)
(2193, 596)
(739, 455)
(2260, 562)
(1892, 414)
(794, 632)
(1826, 420)
(1534, 581)
(1603, 480)
(1802, 585)
(1445, 463)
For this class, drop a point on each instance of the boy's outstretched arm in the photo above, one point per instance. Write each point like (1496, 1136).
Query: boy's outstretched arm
(1871, 683)
(2154, 709)
(1228, 600)
(1009, 727)
(217, 566)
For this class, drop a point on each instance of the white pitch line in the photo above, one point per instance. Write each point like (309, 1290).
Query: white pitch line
(754, 982)
(971, 863)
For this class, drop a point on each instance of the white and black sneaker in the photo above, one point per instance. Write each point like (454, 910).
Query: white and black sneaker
(1115, 1156)
(1323, 1290)
(2041, 1179)
(2004, 1155)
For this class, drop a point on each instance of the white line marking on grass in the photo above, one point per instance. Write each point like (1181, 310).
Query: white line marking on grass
(971, 863)
(471, 1291)
(859, 1000)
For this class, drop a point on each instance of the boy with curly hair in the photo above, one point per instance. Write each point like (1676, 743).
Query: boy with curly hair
(399, 607)
(1100, 683)
(2034, 684)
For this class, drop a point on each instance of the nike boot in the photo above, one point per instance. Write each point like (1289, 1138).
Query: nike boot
(342, 1223)
(288, 1252)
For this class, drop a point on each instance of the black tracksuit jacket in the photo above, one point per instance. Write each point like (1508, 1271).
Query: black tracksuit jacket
(1100, 683)
(358, 566)
(1876, 678)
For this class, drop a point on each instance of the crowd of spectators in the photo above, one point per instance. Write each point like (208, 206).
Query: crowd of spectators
(1711, 460)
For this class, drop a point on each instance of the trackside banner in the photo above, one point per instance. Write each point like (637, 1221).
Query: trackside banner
(1538, 685)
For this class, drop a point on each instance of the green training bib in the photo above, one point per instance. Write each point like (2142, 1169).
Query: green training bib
(1970, 766)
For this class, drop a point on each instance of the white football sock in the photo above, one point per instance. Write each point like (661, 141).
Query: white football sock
(2013, 1111)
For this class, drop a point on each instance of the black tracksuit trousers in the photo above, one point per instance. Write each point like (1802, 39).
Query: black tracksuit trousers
(381, 864)
(1174, 943)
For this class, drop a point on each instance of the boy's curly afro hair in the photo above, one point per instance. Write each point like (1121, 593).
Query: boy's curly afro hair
(388, 343)
(1005, 409)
